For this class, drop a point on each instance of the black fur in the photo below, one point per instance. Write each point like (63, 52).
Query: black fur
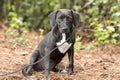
(61, 21)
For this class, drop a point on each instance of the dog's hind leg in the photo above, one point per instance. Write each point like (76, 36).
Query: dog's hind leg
(26, 71)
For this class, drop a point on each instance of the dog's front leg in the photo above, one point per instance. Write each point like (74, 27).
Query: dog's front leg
(47, 63)
(71, 60)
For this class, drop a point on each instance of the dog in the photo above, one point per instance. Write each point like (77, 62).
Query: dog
(63, 23)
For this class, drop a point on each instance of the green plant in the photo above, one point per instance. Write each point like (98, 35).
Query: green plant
(16, 29)
(15, 20)
(104, 34)
(35, 13)
(77, 45)
(91, 46)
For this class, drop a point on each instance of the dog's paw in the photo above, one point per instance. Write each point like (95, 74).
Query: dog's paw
(63, 71)
(70, 72)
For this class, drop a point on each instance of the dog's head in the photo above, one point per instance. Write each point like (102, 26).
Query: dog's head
(65, 19)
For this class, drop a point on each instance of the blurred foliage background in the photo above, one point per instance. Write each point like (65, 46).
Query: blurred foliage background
(99, 19)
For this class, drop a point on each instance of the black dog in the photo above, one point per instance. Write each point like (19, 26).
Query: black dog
(63, 23)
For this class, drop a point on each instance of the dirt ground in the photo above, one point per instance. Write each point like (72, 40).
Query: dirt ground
(102, 63)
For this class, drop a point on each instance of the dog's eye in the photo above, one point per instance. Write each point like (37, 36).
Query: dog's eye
(61, 17)
(69, 18)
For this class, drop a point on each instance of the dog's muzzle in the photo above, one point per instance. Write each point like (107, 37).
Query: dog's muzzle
(64, 30)
(64, 26)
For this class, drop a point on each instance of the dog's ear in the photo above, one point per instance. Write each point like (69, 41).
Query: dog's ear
(76, 18)
(52, 18)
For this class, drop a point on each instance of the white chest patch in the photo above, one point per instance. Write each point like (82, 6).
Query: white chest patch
(64, 47)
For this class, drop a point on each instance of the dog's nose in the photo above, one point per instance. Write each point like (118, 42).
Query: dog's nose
(64, 29)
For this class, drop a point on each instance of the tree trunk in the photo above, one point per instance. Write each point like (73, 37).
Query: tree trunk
(1, 9)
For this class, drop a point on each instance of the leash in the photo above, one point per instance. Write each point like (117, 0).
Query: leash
(38, 60)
